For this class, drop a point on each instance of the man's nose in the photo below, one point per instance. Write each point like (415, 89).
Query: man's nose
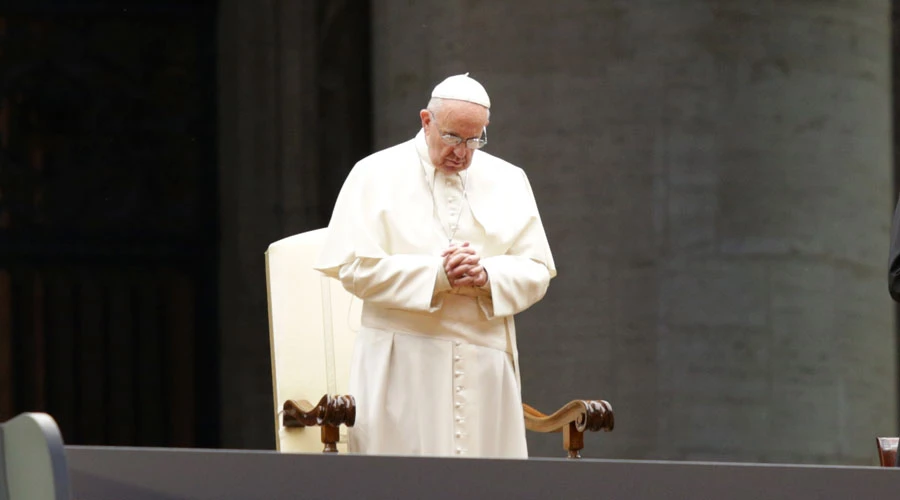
(460, 150)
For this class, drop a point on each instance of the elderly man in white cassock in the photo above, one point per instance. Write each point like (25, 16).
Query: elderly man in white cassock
(444, 245)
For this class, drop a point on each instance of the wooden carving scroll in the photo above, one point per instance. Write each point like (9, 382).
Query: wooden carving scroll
(572, 420)
(329, 414)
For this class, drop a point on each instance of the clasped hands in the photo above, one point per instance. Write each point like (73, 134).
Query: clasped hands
(463, 266)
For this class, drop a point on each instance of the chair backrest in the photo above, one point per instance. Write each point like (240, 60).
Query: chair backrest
(312, 325)
(887, 451)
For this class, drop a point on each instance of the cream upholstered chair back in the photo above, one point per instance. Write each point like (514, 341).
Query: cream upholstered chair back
(312, 323)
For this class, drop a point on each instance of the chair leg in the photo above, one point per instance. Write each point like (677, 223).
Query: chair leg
(887, 451)
(573, 440)
(330, 437)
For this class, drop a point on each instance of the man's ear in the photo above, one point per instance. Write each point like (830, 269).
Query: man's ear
(425, 116)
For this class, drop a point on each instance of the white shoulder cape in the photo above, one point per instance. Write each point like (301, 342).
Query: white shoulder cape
(385, 208)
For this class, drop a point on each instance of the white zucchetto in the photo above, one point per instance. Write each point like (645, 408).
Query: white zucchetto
(462, 88)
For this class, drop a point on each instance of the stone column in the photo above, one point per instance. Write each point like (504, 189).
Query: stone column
(715, 180)
(292, 76)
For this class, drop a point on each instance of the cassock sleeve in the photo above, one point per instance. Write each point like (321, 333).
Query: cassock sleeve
(412, 282)
(894, 263)
(520, 278)
(516, 283)
(353, 232)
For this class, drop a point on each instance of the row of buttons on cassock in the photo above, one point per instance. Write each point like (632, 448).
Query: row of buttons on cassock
(459, 399)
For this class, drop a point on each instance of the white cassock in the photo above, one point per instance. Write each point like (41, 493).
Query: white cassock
(435, 369)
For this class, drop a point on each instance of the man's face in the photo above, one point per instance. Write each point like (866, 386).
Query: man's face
(462, 119)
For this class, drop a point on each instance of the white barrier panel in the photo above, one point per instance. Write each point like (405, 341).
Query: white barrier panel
(32, 459)
(151, 474)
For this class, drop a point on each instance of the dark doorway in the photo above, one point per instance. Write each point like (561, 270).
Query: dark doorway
(108, 219)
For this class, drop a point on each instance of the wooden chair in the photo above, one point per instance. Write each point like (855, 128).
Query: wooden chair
(887, 451)
(312, 323)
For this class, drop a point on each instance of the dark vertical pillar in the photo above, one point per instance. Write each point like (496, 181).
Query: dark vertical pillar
(293, 103)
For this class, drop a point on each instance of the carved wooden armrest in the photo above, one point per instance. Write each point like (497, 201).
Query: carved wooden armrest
(572, 420)
(329, 414)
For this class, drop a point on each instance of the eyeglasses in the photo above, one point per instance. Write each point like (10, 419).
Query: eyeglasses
(455, 140)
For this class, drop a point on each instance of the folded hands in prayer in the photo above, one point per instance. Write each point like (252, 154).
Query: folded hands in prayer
(463, 267)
